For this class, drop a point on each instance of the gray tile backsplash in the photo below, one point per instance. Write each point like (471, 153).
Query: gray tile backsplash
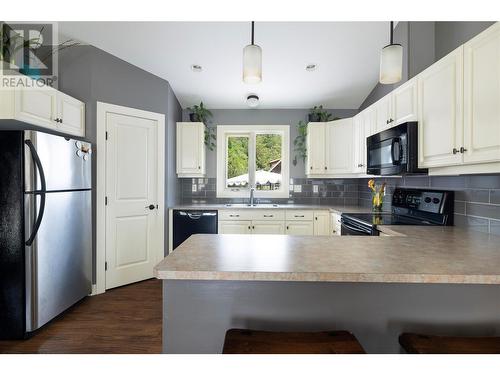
(338, 192)
(477, 198)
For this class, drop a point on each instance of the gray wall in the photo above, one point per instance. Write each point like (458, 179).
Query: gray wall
(90, 74)
(264, 117)
(424, 43)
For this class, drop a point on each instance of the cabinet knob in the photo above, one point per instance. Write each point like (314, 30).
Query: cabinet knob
(326, 168)
(455, 151)
(287, 227)
(462, 150)
(249, 227)
(311, 167)
(253, 226)
(199, 167)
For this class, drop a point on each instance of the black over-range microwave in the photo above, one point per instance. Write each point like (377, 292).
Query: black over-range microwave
(394, 151)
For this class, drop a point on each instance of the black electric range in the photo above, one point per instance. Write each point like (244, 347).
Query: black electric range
(409, 207)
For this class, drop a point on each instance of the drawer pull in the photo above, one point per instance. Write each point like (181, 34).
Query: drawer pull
(298, 215)
(234, 215)
(268, 215)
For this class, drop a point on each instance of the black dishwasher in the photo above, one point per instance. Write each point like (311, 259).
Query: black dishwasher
(188, 222)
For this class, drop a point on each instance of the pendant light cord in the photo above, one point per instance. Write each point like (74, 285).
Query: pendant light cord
(392, 32)
(252, 30)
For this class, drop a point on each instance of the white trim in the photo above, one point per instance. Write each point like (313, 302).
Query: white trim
(102, 110)
(251, 130)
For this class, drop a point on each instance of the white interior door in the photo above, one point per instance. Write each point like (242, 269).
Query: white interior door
(134, 230)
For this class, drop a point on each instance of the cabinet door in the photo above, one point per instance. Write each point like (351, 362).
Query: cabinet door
(190, 149)
(235, 227)
(72, 113)
(383, 114)
(268, 227)
(482, 97)
(440, 113)
(339, 148)
(335, 225)
(321, 223)
(404, 103)
(37, 106)
(315, 163)
(359, 143)
(299, 228)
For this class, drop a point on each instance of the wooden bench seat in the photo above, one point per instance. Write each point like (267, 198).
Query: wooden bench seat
(427, 344)
(246, 341)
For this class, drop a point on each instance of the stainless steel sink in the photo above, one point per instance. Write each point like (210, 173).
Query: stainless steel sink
(245, 205)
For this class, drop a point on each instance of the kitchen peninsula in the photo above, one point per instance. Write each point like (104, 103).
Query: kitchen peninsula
(435, 280)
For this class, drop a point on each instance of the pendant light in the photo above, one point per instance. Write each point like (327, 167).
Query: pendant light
(391, 61)
(252, 62)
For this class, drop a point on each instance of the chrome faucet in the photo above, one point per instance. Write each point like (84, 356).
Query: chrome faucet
(252, 191)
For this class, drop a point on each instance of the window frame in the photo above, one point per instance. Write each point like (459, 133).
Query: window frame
(225, 131)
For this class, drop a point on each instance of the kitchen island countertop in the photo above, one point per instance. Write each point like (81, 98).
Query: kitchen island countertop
(409, 254)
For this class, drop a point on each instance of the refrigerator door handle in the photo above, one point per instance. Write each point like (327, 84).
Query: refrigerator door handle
(43, 183)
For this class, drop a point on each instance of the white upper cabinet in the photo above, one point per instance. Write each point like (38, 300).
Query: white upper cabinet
(71, 114)
(339, 148)
(404, 103)
(190, 149)
(359, 143)
(482, 97)
(36, 106)
(383, 114)
(44, 107)
(440, 103)
(315, 161)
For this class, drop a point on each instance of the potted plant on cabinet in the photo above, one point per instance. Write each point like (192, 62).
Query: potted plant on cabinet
(200, 114)
(318, 114)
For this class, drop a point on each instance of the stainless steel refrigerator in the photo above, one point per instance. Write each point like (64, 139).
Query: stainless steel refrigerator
(45, 228)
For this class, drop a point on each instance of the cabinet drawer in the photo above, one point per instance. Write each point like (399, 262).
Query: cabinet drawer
(268, 215)
(235, 215)
(302, 215)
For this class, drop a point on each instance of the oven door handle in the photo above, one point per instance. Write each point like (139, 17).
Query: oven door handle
(396, 161)
(354, 228)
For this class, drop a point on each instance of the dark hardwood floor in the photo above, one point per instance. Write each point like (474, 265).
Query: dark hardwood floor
(122, 320)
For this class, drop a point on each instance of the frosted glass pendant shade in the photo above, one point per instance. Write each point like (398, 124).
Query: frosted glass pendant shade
(391, 64)
(252, 64)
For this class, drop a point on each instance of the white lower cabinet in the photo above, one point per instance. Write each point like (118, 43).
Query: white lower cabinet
(336, 225)
(321, 223)
(300, 228)
(292, 222)
(268, 227)
(235, 227)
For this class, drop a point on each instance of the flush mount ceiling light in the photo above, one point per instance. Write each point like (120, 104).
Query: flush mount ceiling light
(252, 100)
(196, 68)
(252, 62)
(311, 67)
(391, 61)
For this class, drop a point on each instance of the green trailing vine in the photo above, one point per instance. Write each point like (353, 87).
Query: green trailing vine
(200, 114)
(299, 143)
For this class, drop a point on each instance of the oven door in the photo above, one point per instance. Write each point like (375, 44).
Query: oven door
(352, 228)
(386, 152)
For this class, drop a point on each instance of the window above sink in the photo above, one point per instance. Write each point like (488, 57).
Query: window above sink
(253, 155)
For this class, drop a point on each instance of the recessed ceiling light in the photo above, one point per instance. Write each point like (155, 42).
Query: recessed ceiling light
(252, 100)
(196, 68)
(311, 67)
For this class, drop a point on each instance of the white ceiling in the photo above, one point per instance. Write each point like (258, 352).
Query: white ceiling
(347, 55)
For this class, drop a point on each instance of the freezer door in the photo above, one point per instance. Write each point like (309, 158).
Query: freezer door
(66, 162)
(58, 264)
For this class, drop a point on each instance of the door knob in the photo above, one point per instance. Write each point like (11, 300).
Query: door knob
(151, 206)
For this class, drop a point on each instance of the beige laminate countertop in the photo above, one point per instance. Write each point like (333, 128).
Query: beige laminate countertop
(337, 209)
(414, 254)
